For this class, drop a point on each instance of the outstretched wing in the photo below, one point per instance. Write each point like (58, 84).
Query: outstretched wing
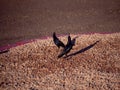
(57, 42)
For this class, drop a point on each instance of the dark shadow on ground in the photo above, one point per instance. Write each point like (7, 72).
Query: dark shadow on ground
(82, 50)
(4, 51)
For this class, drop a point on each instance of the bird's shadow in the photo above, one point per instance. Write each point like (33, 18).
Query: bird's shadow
(82, 50)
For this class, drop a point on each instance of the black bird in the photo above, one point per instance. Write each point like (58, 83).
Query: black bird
(68, 47)
(57, 42)
(74, 40)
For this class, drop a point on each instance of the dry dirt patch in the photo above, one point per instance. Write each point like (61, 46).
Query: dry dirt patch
(35, 66)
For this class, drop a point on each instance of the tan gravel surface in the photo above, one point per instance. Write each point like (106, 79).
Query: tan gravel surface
(35, 66)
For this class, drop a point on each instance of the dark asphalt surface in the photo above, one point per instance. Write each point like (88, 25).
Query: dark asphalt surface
(29, 19)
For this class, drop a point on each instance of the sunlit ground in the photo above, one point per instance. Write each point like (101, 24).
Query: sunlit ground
(35, 66)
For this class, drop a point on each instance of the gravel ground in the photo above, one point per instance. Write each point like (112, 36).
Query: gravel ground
(35, 66)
